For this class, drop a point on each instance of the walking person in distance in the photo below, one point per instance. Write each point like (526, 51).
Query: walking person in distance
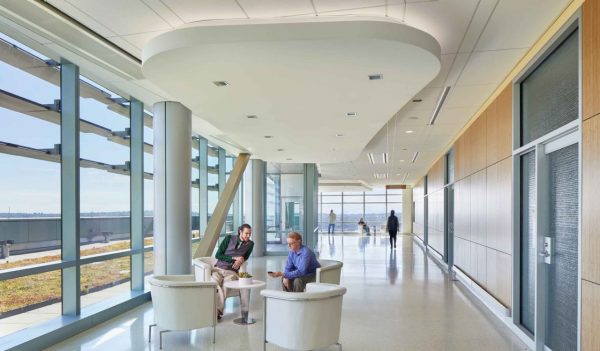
(392, 228)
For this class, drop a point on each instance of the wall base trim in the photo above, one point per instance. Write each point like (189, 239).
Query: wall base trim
(502, 313)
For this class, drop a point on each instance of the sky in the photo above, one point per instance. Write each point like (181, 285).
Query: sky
(29, 185)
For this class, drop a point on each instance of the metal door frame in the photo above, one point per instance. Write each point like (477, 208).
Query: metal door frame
(566, 135)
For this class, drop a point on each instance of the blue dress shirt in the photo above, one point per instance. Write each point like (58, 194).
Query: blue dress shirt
(301, 263)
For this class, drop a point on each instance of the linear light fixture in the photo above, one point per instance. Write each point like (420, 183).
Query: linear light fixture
(380, 175)
(404, 179)
(371, 159)
(438, 107)
(415, 157)
(385, 157)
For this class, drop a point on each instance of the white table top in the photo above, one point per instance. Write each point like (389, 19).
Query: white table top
(235, 284)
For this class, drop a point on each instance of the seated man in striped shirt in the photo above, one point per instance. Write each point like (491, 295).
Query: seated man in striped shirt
(301, 266)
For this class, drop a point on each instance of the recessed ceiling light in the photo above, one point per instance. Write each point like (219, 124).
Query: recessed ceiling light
(252, 116)
(401, 160)
(413, 117)
(385, 157)
(268, 136)
(375, 76)
(371, 159)
(417, 100)
(221, 83)
(351, 114)
(409, 131)
(279, 149)
(339, 135)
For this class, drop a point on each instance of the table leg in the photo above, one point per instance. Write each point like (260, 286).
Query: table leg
(245, 308)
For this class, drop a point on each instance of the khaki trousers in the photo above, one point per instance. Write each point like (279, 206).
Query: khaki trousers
(220, 276)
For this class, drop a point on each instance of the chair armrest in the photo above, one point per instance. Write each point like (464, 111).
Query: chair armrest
(203, 270)
(175, 281)
(319, 293)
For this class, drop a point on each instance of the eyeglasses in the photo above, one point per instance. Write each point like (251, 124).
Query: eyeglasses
(292, 243)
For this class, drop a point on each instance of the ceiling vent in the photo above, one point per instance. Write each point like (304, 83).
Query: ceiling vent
(415, 157)
(375, 76)
(351, 114)
(438, 107)
(220, 83)
(371, 159)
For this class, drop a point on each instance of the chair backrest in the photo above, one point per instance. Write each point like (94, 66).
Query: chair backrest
(329, 272)
(203, 268)
(304, 321)
(181, 303)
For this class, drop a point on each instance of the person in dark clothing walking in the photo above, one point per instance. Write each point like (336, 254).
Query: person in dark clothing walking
(392, 228)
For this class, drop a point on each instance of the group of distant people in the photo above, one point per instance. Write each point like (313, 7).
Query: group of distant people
(392, 226)
(300, 268)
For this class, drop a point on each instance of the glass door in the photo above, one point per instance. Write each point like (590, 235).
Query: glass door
(548, 278)
(558, 243)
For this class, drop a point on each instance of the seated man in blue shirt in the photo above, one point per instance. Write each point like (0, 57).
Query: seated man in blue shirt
(301, 266)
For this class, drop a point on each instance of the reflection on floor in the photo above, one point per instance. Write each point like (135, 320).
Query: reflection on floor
(397, 300)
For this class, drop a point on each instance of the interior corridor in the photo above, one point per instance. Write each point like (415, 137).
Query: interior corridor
(396, 300)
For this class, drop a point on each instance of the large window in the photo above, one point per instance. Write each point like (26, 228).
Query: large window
(374, 207)
(70, 237)
(284, 204)
(30, 184)
(35, 253)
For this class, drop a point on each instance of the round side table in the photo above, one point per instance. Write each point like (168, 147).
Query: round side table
(244, 298)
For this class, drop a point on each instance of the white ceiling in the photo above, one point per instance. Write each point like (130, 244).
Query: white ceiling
(299, 79)
(481, 40)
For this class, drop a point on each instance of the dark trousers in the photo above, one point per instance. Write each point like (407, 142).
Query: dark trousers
(393, 238)
(299, 284)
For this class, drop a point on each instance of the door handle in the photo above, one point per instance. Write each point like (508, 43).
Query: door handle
(546, 254)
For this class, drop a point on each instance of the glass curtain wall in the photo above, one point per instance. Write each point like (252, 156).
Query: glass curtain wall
(284, 204)
(373, 206)
(32, 244)
(30, 182)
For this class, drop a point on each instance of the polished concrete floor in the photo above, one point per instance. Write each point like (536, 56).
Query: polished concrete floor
(396, 300)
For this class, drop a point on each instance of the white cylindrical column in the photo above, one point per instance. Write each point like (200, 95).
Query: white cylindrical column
(259, 232)
(172, 181)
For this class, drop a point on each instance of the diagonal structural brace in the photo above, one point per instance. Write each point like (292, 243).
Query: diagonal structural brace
(217, 220)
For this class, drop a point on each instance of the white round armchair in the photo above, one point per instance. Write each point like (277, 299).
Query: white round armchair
(329, 272)
(303, 321)
(181, 303)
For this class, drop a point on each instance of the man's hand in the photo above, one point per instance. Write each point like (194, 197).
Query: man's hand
(239, 260)
(276, 274)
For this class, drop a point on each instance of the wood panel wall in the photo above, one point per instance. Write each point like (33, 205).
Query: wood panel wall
(482, 199)
(435, 176)
(590, 231)
(483, 174)
(590, 59)
(590, 207)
